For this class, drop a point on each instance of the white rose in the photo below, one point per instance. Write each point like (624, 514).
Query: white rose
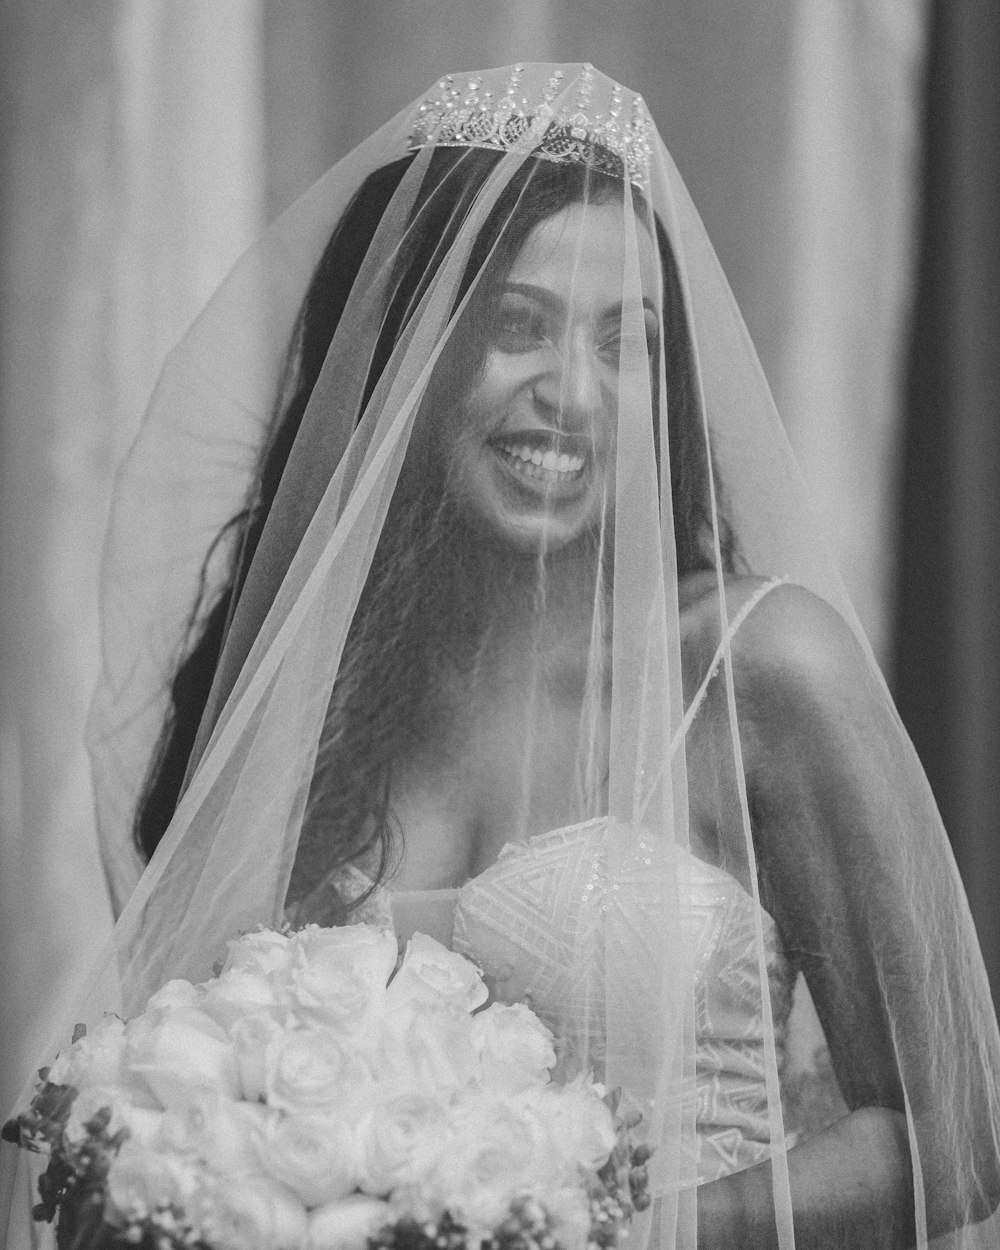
(369, 952)
(95, 1059)
(175, 994)
(314, 1156)
(90, 1102)
(347, 1224)
(338, 988)
(430, 970)
(62, 1069)
(250, 1038)
(219, 1132)
(492, 1158)
(570, 1214)
(577, 1124)
(424, 1048)
(264, 951)
(514, 1047)
(176, 1051)
(141, 1179)
(142, 1124)
(309, 1070)
(249, 1213)
(238, 994)
(400, 1141)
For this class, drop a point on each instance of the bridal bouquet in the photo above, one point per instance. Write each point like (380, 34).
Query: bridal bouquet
(315, 1096)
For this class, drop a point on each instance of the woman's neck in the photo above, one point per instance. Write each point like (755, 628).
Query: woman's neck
(540, 613)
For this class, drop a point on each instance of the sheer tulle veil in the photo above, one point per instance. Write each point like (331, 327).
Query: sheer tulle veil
(630, 553)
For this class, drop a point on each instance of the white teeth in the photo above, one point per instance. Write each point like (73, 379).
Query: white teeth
(535, 463)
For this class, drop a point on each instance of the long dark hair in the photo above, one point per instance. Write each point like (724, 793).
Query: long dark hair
(381, 688)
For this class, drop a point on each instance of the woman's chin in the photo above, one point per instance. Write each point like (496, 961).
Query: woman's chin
(538, 532)
(531, 517)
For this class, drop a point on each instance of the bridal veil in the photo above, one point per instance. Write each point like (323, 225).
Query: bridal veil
(363, 592)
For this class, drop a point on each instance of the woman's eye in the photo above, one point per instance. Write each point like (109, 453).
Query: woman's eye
(611, 345)
(615, 342)
(520, 330)
(615, 346)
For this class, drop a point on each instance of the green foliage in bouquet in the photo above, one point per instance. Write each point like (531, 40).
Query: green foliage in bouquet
(73, 1184)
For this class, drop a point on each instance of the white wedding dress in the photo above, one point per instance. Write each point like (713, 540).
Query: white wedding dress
(543, 922)
(537, 922)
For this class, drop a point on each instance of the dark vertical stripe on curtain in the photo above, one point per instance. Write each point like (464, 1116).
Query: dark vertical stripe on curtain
(947, 652)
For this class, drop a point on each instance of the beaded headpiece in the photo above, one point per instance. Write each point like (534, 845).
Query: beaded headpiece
(614, 142)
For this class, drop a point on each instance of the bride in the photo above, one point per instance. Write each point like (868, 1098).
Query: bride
(515, 627)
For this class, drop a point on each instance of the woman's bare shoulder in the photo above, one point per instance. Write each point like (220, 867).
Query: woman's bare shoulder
(791, 649)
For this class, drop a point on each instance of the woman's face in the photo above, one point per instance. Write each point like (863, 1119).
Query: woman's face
(530, 450)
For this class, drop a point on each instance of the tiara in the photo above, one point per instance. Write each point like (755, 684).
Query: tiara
(615, 142)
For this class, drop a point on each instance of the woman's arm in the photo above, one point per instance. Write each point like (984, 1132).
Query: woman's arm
(856, 870)
(850, 1185)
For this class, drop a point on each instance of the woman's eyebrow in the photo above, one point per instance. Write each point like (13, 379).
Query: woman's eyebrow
(555, 302)
(617, 311)
(539, 293)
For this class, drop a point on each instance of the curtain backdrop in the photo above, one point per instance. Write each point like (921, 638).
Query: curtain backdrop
(131, 180)
(948, 621)
(143, 142)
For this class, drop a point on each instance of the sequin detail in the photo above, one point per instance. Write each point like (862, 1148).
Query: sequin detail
(562, 125)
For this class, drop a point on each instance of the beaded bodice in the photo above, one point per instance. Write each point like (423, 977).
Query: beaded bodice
(544, 922)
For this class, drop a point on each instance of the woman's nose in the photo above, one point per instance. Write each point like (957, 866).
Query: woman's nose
(572, 386)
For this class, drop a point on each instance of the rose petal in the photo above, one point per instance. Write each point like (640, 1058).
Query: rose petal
(347, 1224)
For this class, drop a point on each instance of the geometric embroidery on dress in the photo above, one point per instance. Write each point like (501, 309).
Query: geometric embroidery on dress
(541, 915)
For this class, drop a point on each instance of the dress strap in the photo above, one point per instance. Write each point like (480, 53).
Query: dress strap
(721, 652)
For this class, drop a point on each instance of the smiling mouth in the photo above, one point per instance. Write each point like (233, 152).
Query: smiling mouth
(538, 456)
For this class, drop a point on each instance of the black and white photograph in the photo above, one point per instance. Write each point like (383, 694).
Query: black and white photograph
(499, 625)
